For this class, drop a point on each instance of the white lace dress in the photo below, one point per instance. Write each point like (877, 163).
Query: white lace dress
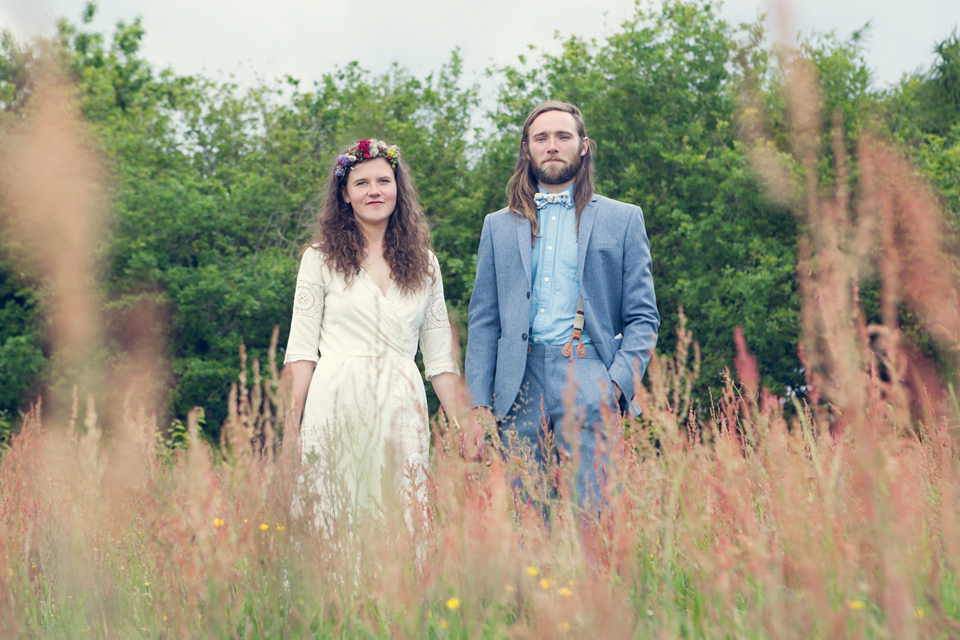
(365, 423)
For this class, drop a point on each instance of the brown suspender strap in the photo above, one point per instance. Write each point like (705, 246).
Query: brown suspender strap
(577, 330)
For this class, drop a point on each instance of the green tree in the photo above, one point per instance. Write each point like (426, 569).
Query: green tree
(660, 99)
(213, 188)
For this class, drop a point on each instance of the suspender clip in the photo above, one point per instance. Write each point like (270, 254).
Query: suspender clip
(577, 330)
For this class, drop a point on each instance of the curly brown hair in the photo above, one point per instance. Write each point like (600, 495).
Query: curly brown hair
(406, 244)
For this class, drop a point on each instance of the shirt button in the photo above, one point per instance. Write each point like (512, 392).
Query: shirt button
(523, 337)
(549, 247)
(528, 295)
(545, 279)
(542, 310)
(553, 218)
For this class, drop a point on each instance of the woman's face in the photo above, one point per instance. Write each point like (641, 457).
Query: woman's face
(371, 190)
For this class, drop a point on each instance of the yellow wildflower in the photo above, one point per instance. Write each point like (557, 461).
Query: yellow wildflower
(217, 522)
(453, 603)
(443, 624)
(919, 613)
(146, 583)
(533, 571)
(564, 627)
(855, 604)
(280, 527)
(566, 593)
(264, 527)
(544, 584)
(508, 588)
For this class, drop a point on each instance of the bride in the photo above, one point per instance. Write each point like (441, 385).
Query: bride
(368, 292)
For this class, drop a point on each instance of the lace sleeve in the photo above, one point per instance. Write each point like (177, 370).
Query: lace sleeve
(304, 340)
(436, 337)
(308, 300)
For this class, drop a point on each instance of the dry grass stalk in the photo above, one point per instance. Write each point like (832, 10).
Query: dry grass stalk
(51, 187)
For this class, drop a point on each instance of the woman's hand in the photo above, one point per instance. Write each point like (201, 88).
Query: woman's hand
(452, 395)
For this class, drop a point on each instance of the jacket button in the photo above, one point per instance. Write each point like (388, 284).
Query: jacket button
(523, 337)
(528, 295)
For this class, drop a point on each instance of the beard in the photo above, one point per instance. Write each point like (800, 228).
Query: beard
(556, 173)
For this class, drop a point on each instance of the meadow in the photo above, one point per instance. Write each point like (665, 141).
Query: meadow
(829, 512)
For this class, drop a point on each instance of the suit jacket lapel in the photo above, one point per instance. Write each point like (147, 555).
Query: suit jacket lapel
(587, 218)
(523, 239)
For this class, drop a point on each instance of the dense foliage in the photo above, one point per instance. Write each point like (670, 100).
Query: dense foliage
(212, 185)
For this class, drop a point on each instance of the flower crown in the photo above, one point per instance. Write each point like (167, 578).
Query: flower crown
(366, 150)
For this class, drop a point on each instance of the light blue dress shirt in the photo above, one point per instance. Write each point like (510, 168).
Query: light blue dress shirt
(556, 281)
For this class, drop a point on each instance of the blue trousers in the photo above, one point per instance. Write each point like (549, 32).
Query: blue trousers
(559, 412)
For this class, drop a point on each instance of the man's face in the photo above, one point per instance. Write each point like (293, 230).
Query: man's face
(554, 148)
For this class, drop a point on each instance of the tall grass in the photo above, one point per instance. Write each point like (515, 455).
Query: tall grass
(832, 516)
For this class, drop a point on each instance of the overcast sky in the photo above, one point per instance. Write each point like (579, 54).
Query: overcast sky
(306, 38)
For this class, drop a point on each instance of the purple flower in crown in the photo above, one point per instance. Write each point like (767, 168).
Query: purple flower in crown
(366, 150)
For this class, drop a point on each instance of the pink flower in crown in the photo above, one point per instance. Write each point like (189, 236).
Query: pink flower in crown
(363, 149)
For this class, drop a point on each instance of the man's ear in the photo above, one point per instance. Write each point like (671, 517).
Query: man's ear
(523, 145)
(584, 147)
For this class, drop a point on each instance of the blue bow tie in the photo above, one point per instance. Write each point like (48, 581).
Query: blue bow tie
(543, 199)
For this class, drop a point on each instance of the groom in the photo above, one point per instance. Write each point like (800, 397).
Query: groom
(563, 299)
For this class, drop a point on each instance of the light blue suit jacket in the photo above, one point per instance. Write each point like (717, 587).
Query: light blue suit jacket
(616, 282)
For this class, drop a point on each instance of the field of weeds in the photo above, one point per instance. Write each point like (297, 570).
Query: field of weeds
(830, 514)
